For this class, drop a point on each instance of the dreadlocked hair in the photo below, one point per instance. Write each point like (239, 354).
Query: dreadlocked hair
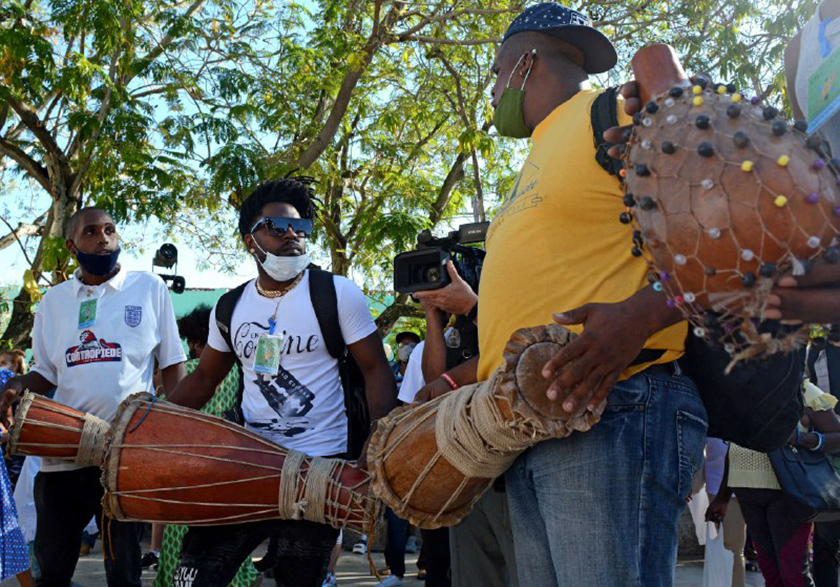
(296, 191)
(195, 326)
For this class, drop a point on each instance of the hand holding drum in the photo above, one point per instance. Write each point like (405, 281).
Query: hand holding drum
(726, 197)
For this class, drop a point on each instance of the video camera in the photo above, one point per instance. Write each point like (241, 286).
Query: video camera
(425, 267)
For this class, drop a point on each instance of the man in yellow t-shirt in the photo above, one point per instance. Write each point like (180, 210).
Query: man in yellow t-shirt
(601, 507)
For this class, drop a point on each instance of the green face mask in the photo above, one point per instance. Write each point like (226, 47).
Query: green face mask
(508, 118)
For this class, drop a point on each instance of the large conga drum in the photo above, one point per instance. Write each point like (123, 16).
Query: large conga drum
(170, 464)
(45, 428)
(431, 462)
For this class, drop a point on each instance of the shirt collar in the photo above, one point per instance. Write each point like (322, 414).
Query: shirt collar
(115, 283)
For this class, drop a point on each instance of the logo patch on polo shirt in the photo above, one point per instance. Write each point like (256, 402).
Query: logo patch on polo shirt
(92, 350)
(133, 315)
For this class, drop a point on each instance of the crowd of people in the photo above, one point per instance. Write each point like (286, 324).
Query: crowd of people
(599, 508)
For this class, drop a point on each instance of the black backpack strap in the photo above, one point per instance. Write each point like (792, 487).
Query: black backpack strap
(325, 303)
(224, 317)
(604, 114)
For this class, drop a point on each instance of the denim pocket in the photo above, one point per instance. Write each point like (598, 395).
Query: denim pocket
(691, 438)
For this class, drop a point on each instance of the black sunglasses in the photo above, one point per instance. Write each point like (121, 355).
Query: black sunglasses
(278, 225)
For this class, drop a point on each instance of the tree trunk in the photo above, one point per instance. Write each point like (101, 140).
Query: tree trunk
(63, 207)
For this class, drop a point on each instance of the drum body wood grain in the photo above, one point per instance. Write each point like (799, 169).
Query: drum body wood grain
(45, 428)
(171, 464)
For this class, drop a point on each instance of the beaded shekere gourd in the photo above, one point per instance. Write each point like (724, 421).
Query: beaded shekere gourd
(725, 197)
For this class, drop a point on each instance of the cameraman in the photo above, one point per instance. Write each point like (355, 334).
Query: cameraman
(481, 545)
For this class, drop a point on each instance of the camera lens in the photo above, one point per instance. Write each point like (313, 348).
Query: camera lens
(432, 274)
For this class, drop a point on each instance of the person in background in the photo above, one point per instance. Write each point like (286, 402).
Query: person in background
(810, 48)
(774, 520)
(95, 340)
(481, 545)
(823, 370)
(14, 554)
(406, 343)
(194, 328)
(15, 361)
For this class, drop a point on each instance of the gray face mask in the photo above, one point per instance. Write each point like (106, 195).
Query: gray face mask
(404, 352)
(283, 268)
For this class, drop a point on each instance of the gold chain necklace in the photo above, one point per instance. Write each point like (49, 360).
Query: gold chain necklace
(280, 292)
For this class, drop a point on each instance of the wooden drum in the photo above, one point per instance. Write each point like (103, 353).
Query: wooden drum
(45, 428)
(431, 462)
(170, 464)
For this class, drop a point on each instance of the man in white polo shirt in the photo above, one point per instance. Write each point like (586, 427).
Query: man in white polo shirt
(95, 340)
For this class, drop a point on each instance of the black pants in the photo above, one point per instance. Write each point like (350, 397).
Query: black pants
(395, 545)
(436, 545)
(65, 501)
(826, 547)
(779, 535)
(211, 555)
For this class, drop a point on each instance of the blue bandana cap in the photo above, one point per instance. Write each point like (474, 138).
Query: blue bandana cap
(570, 26)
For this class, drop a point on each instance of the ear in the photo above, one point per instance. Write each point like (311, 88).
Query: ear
(71, 246)
(527, 63)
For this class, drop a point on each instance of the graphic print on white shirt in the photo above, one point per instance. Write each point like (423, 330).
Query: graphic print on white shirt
(91, 350)
(302, 407)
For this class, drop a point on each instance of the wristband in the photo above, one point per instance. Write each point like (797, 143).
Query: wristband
(450, 381)
(820, 441)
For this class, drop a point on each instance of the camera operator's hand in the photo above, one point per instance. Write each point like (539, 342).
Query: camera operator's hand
(456, 298)
(613, 335)
(812, 298)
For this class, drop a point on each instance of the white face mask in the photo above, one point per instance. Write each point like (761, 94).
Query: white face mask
(283, 268)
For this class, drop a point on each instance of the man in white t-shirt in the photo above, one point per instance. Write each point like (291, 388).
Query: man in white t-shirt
(292, 391)
(95, 340)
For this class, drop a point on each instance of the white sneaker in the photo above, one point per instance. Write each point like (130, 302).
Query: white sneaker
(412, 545)
(360, 547)
(391, 581)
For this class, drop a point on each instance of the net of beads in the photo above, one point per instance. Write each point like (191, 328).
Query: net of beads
(724, 197)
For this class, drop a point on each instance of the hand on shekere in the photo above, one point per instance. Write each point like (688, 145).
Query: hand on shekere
(586, 369)
(813, 297)
(618, 135)
(456, 298)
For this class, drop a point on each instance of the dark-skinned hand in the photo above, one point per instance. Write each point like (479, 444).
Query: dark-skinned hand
(13, 389)
(811, 298)
(618, 135)
(431, 390)
(586, 369)
(716, 511)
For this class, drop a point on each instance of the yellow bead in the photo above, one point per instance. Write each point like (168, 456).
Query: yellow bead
(747, 166)
(721, 89)
(783, 160)
(780, 201)
(698, 100)
(697, 90)
(736, 98)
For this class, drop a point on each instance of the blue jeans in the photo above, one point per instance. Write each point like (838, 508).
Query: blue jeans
(395, 546)
(602, 507)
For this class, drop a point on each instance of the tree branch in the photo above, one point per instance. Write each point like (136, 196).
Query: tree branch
(35, 170)
(21, 230)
